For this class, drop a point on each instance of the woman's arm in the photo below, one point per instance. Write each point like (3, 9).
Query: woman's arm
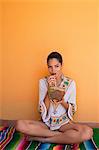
(44, 101)
(64, 104)
(71, 100)
(47, 102)
(70, 103)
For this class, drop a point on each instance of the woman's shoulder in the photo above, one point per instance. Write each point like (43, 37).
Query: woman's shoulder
(43, 80)
(69, 80)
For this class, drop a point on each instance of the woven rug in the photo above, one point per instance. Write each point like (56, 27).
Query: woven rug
(10, 139)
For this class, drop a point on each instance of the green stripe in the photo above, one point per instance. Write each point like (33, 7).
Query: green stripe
(96, 136)
(51, 146)
(17, 137)
(33, 145)
(82, 147)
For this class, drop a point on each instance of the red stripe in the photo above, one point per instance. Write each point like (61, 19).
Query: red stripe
(9, 137)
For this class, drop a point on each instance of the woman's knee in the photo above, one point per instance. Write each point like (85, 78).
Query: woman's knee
(21, 125)
(87, 133)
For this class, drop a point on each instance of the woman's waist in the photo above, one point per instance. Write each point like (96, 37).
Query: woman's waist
(59, 118)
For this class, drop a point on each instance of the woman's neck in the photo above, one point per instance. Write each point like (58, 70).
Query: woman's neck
(59, 79)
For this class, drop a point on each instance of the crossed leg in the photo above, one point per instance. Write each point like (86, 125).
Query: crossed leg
(34, 128)
(72, 133)
(68, 134)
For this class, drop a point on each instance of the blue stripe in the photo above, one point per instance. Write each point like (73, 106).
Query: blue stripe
(89, 145)
(44, 146)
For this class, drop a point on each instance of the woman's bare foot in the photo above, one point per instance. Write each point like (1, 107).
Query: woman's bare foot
(56, 132)
(42, 139)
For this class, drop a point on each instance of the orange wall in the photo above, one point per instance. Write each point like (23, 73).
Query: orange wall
(98, 58)
(31, 31)
(0, 59)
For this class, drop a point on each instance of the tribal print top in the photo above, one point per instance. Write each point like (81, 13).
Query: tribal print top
(55, 118)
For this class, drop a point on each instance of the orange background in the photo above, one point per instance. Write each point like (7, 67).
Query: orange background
(1, 59)
(31, 30)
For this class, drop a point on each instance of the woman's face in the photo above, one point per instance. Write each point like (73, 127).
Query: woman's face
(54, 67)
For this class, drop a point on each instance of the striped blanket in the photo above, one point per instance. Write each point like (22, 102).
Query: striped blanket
(10, 139)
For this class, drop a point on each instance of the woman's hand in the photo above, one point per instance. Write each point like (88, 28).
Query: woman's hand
(55, 93)
(51, 80)
(56, 102)
(62, 102)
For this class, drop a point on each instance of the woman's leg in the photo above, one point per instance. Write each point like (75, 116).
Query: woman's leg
(70, 134)
(34, 128)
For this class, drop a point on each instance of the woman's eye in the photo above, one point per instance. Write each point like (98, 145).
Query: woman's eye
(57, 66)
(49, 66)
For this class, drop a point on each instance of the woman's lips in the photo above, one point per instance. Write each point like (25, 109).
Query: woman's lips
(53, 74)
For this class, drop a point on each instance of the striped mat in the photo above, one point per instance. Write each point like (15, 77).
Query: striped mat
(10, 139)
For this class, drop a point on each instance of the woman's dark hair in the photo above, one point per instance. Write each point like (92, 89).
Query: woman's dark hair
(55, 55)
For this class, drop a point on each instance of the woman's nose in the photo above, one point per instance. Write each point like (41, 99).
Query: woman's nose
(53, 70)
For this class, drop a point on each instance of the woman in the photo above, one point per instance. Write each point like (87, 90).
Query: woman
(57, 104)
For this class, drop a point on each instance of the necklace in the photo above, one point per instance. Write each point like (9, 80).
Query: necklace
(55, 108)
